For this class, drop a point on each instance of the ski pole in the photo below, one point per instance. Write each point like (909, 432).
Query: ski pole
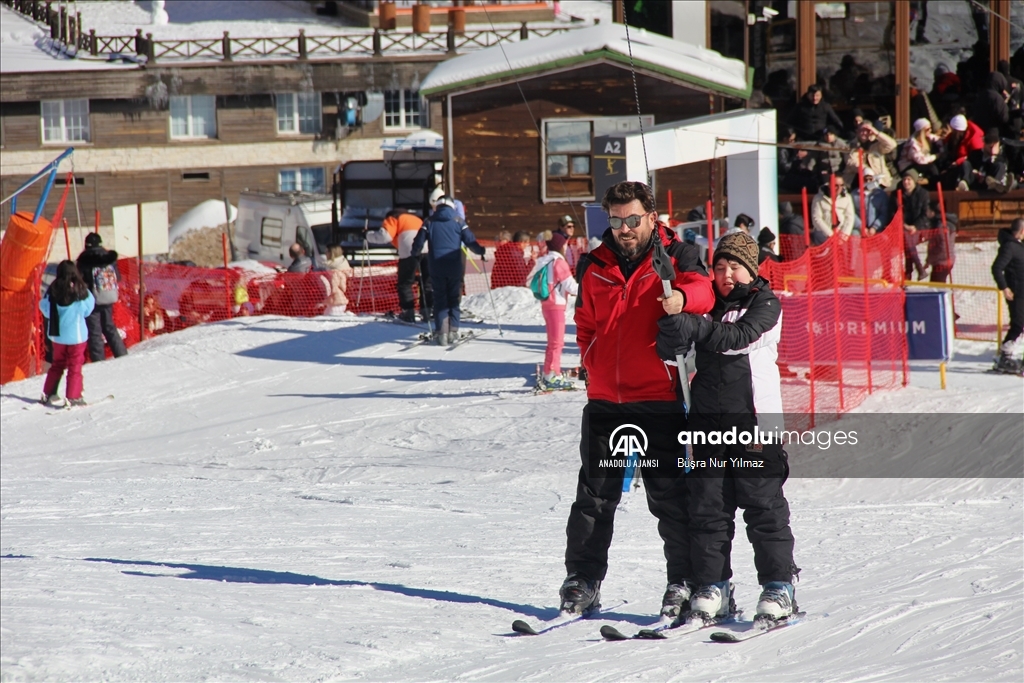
(423, 300)
(630, 472)
(490, 294)
(663, 267)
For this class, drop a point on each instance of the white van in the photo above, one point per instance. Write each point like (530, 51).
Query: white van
(362, 193)
(268, 223)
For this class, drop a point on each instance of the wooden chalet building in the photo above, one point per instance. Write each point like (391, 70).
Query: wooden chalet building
(191, 120)
(519, 123)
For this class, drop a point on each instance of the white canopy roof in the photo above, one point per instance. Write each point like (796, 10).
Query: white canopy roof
(652, 52)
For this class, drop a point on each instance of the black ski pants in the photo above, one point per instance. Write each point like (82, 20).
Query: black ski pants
(100, 324)
(591, 518)
(447, 292)
(714, 495)
(410, 269)
(1016, 315)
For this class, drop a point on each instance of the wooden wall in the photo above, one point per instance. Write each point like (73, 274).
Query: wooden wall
(107, 190)
(497, 152)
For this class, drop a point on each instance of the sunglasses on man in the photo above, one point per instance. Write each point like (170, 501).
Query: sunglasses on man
(632, 222)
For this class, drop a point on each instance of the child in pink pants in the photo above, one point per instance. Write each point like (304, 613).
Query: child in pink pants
(66, 305)
(562, 285)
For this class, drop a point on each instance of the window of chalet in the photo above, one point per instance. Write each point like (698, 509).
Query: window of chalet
(193, 116)
(404, 110)
(65, 121)
(299, 113)
(301, 180)
(567, 164)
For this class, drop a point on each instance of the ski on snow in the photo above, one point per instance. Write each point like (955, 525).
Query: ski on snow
(468, 336)
(67, 406)
(760, 626)
(524, 628)
(398, 321)
(426, 339)
(665, 629)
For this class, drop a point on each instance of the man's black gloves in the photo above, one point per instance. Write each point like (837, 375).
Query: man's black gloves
(677, 333)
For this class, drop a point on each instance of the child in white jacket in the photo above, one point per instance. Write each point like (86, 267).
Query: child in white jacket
(562, 285)
(68, 302)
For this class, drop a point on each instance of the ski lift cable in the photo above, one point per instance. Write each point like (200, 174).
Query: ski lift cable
(636, 96)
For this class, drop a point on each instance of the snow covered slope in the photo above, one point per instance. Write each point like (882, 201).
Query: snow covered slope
(280, 499)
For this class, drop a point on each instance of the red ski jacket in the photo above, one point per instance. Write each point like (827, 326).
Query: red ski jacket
(617, 320)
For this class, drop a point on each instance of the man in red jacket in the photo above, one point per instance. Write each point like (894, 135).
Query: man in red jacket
(629, 389)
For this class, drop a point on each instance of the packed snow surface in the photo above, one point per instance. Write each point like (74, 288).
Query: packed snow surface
(308, 499)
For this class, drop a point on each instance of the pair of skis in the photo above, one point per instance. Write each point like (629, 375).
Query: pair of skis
(65, 405)
(667, 629)
(694, 623)
(426, 339)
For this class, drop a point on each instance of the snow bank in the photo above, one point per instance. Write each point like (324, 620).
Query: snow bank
(251, 266)
(208, 214)
(513, 305)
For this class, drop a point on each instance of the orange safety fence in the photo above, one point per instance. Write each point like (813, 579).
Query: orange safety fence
(844, 322)
(23, 254)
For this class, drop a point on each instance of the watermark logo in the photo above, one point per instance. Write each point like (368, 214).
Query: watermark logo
(628, 441)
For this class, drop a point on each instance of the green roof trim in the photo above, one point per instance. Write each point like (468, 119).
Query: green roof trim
(603, 53)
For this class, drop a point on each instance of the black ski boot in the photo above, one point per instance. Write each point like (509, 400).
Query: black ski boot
(676, 599)
(579, 594)
(1007, 364)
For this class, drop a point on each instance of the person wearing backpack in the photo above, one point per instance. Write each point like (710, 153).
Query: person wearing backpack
(552, 283)
(66, 305)
(98, 267)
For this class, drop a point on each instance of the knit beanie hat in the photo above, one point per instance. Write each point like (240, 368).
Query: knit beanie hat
(556, 243)
(958, 122)
(741, 247)
(765, 237)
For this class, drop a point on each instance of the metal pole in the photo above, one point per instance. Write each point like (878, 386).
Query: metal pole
(708, 210)
(863, 197)
(867, 307)
(807, 217)
(142, 286)
(832, 191)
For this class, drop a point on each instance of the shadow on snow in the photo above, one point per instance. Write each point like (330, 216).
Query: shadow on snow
(329, 347)
(263, 576)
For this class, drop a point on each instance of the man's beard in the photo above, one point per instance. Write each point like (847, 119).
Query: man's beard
(636, 248)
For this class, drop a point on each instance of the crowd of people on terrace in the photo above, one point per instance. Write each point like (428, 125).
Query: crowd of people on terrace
(960, 141)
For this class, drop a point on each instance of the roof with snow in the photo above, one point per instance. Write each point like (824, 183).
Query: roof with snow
(26, 47)
(651, 52)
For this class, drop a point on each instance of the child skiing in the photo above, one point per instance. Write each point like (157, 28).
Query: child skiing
(66, 305)
(737, 386)
(551, 281)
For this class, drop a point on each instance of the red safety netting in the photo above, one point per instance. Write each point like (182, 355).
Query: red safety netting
(843, 332)
(844, 323)
(513, 261)
(966, 268)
